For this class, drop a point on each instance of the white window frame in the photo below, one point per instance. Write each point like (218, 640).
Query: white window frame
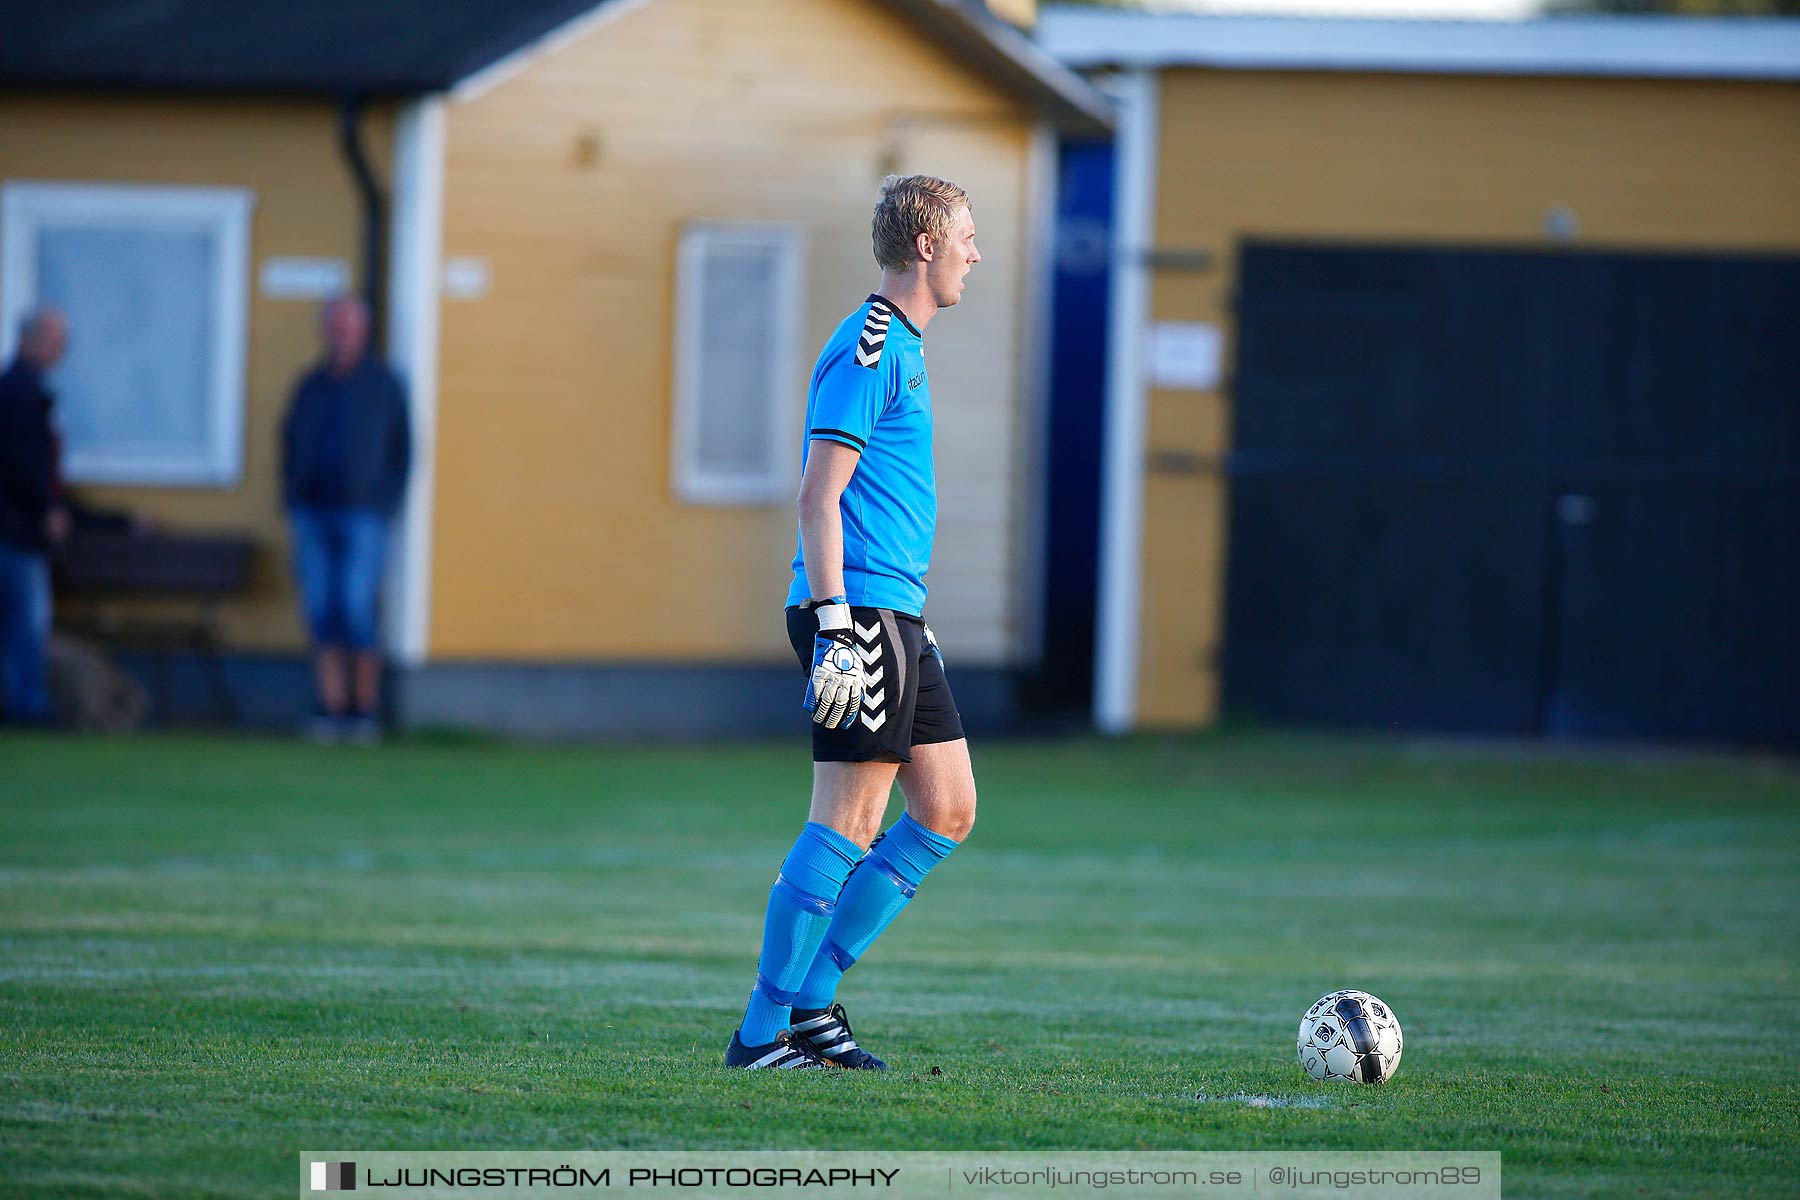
(29, 208)
(693, 483)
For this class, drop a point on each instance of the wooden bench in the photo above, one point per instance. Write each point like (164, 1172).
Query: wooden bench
(103, 576)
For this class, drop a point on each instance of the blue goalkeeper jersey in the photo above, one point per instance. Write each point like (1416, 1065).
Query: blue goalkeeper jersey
(869, 392)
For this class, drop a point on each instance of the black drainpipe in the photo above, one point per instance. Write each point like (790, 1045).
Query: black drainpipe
(374, 220)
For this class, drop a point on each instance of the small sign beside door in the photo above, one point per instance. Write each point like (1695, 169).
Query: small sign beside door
(1186, 354)
(466, 278)
(291, 278)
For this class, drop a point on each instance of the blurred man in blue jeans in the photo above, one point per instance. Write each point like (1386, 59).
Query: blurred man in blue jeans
(32, 516)
(346, 450)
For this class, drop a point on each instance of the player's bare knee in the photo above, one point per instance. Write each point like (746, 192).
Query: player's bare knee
(946, 811)
(957, 828)
(961, 817)
(960, 806)
(867, 826)
(859, 819)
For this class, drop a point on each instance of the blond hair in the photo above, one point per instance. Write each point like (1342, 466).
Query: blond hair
(911, 205)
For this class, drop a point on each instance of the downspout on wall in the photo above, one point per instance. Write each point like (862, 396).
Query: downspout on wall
(374, 219)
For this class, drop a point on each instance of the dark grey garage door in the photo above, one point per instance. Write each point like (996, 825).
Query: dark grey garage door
(1517, 492)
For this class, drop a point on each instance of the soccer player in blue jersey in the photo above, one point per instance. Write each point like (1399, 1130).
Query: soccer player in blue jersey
(881, 707)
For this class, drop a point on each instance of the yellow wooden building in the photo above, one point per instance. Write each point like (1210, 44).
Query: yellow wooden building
(1565, 134)
(616, 233)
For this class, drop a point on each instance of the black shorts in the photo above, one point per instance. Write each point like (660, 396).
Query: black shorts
(906, 699)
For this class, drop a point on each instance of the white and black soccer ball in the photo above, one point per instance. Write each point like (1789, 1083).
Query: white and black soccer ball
(1350, 1036)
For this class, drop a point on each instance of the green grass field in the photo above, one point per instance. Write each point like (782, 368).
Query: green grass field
(219, 952)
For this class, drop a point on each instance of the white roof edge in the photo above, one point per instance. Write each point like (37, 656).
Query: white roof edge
(1645, 46)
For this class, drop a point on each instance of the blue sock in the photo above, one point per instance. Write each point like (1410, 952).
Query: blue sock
(882, 884)
(800, 907)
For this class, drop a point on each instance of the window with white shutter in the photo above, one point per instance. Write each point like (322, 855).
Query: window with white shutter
(737, 327)
(154, 281)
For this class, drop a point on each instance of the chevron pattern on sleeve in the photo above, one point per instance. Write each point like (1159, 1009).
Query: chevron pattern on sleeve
(874, 334)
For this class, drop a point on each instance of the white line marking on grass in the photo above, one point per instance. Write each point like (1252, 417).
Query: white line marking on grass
(1261, 1100)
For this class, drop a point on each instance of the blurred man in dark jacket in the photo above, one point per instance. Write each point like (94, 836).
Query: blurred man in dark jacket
(346, 450)
(32, 518)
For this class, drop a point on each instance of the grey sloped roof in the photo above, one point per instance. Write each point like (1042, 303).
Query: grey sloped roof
(369, 47)
(407, 47)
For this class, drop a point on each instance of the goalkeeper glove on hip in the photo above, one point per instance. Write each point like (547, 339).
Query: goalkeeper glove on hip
(834, 693)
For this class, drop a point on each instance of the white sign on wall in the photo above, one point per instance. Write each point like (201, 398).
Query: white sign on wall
(291, 278)
(466, 278)
(1186, 354)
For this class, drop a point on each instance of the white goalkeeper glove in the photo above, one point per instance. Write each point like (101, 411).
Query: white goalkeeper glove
(834, 693)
